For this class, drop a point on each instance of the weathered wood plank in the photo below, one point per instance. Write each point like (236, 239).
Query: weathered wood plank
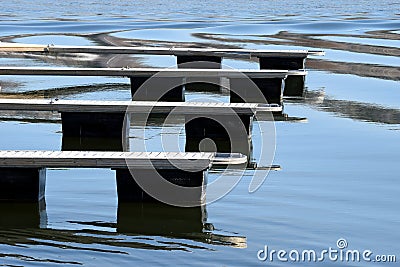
(142, 107)
(234, 53)
(140, 160)
(149, 72)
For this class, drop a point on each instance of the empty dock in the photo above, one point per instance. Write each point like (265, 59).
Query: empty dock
(149, 72)
(23, 173)
(145, 107)
(192, 57)
(210, 58)
(84, 120)
(176, 51)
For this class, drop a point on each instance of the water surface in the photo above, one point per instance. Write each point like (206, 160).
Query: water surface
(339, 176)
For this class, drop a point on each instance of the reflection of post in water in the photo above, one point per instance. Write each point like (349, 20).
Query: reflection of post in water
(361, 111)
(147, 219)
(23, 215)
(157, 219)
(151, 219)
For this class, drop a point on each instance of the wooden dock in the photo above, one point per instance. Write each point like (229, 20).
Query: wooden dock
(141, 107)
(23, 173)
(149, 72)
(103, 159)
(176, 51)
(206, 58)
(86, 122)
(161, 84)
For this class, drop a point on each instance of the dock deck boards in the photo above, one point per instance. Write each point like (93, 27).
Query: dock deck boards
(233, 53)
(148, 72)
(144, 107)
(92, 159)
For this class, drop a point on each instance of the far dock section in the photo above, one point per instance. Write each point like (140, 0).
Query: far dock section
(23, 173)
(177, 51)
(160, 84)
(195, 57)
(269, 59)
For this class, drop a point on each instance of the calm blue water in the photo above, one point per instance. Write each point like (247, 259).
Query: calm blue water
(340, 171)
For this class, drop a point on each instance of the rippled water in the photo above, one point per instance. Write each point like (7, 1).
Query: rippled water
(340, 171)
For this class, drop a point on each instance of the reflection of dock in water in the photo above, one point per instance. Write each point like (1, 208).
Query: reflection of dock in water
(308, 40)
(23, 215)
(30, 116)
(65, 91)
(359, 69)
(352, 109)
(138, 225)
(80, 60)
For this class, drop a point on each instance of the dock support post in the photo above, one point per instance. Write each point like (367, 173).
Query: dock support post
(155, 88)
(130, 191)
(218, 126)
(94, 144)
(282, 63)
(201, 62)
(22, 184)
(294, 84)
(95, 131)
(208, 134)
(271, 89)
